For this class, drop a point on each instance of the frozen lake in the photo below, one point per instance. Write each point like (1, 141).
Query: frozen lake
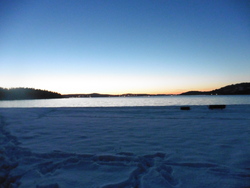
(131, 101)
(145, 147)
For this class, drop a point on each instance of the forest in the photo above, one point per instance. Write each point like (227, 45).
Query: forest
(27, 93)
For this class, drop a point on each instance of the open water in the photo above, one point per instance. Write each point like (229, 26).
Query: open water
(130, 101)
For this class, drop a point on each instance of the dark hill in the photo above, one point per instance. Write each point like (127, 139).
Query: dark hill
(234, 89)
(195, 93)
(237, 89)
(27, 93)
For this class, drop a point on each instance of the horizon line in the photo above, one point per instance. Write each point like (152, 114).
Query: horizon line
(129, 93)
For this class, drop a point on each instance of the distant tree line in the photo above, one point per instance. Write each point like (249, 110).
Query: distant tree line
(234, 89)
(27, 93)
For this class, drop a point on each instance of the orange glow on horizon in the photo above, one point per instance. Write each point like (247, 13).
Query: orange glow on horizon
(117, 85)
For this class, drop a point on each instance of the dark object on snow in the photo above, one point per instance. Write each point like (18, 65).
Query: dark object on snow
(211, 107)
(185, 108)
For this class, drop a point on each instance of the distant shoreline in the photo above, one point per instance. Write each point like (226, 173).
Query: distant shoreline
(27, 93)
(30, 93)
(234, 89)
(111, 95)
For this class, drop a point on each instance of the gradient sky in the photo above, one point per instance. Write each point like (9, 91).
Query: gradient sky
(122, 46)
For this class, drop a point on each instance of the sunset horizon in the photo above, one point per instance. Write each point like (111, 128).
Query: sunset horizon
(178, 92)
(116, 47)
(124, 93)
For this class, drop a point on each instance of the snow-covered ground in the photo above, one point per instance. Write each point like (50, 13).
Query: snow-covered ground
(125, 147)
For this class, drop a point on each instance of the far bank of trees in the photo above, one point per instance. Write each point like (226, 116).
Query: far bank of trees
(234, 89)
(27, 93)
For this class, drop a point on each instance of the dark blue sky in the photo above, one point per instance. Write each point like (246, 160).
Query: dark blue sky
(122, 46)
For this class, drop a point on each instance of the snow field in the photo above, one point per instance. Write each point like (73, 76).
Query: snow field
(125, 147)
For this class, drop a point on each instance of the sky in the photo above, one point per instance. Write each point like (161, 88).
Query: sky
(117, 46)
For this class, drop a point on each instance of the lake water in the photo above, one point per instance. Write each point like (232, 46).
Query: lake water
(130, 101)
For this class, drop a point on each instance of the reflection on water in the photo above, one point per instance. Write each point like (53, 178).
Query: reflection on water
(130, 101)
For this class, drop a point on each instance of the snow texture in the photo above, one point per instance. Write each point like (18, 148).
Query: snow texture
(112, 147)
